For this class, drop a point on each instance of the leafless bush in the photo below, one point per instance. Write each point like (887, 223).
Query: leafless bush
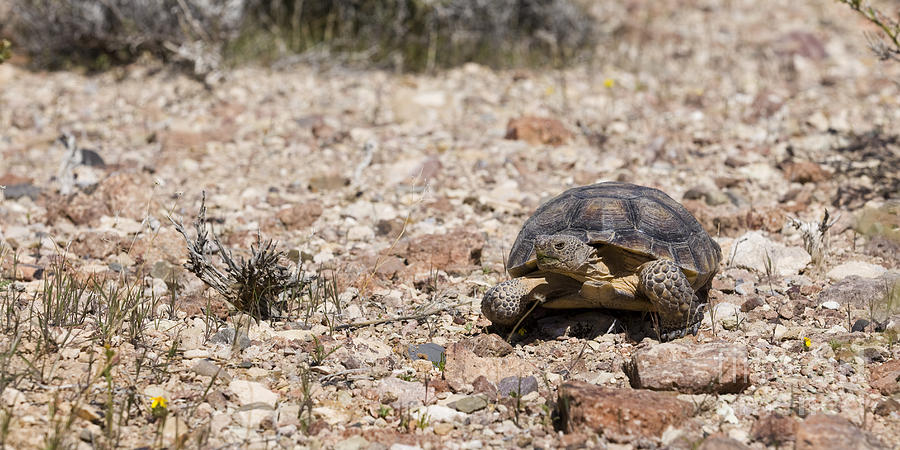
(424, 34)
(101, 32)
(886, 43)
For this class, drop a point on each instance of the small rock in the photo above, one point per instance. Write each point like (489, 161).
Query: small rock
(620, 415)
(440, 413)
(226, 336)
(721, 442)
(824, 432)
(481, 385)
(469, 404)
(464, 366)
(300, 216)
(860, 269)
(860, 325)
(884, 377)
(455, 252)
(724, 314)
(753, 251)
(352, 443)
(17, 191)
(708, 368)
(517, 385)
(538, 130)
(443, 428)
(804, 172)
(28, 272)
(832, 305)
(328, 182)
(249, 392)
(774, 429)
(488, 345)
(752, 303)
(206, 368)
(429, 351)
(402, 394)
(887, 406)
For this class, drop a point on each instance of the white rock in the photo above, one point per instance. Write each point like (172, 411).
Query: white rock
(12, 398)
(726, 412)
(249, 392)
(300, 335)
(861, 269)
(833, 305)
(780, 331)
(360, 233)
(352, 443)
(440, 413)
(723, 312)
(753, 251)
(196, 353)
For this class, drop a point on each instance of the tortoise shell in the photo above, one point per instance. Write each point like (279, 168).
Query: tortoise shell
(633, 218)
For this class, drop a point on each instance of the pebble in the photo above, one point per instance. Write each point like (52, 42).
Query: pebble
(249, 392)
(832, 305)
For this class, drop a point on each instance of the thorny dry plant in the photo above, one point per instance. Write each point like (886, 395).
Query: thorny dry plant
(253, 286)
(815, 236)
(884, 49)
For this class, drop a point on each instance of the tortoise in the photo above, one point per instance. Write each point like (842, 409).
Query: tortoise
(610, 245)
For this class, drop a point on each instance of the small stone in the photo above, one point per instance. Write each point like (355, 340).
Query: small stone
(249, 392)
(886, 377)
(429, 351)
(300, 216)
(721, 442)
(620, 415)
(861, 292)
(708, 368)
(352, 443)
(463, 366)
(860, 269)
(481, 385)
(538, 130)
(887, 406)
(774, 429)
(469, 404)
(443, 428)
(752, 303)
(206, 368)
(860, 325)
(489, 345)
(402, 394)
(821, 431)
(755, 252)
(226, 336)
(832, 305)
(17, 191)
(520, 386)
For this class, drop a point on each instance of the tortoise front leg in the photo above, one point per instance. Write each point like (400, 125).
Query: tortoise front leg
(680, 311)
(506, 303)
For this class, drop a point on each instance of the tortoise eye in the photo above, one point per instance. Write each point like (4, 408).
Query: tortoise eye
(559, 245)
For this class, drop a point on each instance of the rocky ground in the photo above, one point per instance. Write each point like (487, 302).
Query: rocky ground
(401, 195)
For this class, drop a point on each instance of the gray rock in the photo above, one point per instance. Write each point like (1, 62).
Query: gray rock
(469, 404)
(17, 191)
(860, 269)
(226, 336)
(429, 351)
(402, 394)
(206, 368)
(511, 385)
(860, 292)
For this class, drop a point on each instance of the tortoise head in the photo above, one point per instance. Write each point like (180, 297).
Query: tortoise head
(562, 253)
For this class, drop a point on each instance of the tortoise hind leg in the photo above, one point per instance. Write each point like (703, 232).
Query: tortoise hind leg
(680, 311)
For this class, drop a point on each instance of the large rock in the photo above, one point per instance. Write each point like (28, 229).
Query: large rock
(754, 251)
(860, 269)
(827, 432)
(458, 251)
(463, 365)
(774, 429)
(708, 368)
(859, 291)
(620, 415)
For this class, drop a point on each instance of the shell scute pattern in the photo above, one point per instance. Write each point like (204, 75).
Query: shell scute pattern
(635, 218)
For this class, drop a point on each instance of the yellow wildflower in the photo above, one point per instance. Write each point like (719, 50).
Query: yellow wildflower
(807, 343)
(609, 82)
(158, 402)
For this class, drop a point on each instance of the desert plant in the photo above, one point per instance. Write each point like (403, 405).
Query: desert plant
(886, 44)
(253, 286)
